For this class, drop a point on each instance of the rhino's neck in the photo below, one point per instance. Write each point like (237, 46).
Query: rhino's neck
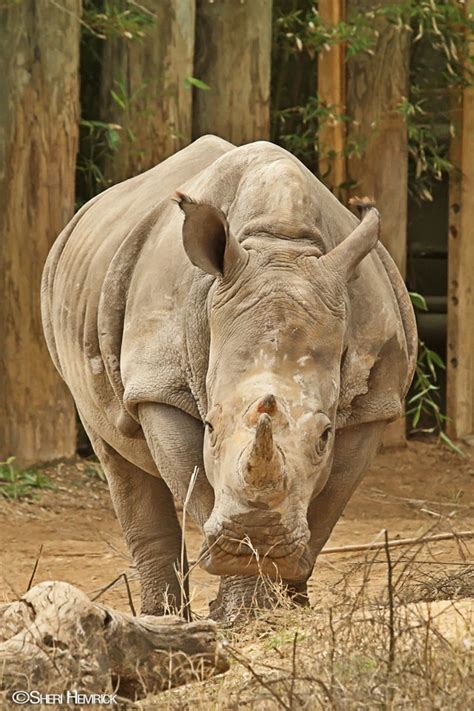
(197, 339)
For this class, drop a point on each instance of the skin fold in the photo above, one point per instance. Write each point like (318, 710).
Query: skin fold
(224, 311)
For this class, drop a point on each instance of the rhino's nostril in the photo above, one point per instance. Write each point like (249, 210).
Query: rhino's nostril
(267, 405)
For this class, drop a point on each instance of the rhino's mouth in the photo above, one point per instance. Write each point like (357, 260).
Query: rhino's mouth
(281, 556)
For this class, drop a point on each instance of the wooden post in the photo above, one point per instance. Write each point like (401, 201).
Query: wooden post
(233, 56)
(148, 75)
(460, 351)
(376, 84)
(39, 113)
(332, 93)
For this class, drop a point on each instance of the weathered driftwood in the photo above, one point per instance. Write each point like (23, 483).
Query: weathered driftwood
(54, 638)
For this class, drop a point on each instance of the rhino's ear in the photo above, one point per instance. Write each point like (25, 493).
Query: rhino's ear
(206, 238)
(343, 259)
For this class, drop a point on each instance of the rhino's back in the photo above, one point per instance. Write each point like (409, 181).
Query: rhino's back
(78, 267)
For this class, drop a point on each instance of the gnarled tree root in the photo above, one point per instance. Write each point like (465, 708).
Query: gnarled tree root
(55, 639)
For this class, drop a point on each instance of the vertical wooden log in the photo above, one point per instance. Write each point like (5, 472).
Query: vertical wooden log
(332, 93)
(376, 84)
(233, 56)
(154, 105)
(460, 351)
(39, 111)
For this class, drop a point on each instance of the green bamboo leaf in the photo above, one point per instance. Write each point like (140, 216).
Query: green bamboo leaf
(416, 417)
(418, 300)
(449, 443)
(198, 83)
(118, 99)
(437, 360)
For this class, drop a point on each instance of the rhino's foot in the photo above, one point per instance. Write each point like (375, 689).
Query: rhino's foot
(160, 598)
(242, 598)
(161, 607)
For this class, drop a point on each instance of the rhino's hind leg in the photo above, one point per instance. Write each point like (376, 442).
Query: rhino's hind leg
(146, 512)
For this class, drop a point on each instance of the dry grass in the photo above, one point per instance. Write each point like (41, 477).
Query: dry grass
(452, 585)
(392, 631)
(362, 647)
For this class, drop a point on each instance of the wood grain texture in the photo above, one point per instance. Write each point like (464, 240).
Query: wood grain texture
(460, 346)
(156, 120)
(56, 639)
(332, 93)
(39, 112)
(376, 84)
(233, 55)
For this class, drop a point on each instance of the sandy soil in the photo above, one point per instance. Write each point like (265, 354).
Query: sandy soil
(406, 491)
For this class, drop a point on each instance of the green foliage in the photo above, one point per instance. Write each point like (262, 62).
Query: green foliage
(303, 30)
(440, 62)
(103, 21)
(16, 483)
(428, 153)
(97, 139)
(309, 117)
(418, 301)
(425, 389)
(198, 83)
(125, 19)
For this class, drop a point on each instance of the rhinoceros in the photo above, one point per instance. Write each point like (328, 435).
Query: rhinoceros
(223, 313)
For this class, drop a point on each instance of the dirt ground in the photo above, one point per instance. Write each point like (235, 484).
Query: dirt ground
(406, 491)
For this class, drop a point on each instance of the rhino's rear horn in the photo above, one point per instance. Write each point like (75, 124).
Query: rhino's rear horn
(343, 259)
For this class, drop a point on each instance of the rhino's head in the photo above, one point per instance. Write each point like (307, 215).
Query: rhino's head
(277, 316)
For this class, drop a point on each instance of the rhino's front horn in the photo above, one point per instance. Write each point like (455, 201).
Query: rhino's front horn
(263, 467)
(262, 448)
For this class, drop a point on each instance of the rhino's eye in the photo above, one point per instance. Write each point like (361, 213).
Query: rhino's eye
(212, 437)
(323, 440)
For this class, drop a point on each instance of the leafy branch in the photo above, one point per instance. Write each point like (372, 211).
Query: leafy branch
(425, 388)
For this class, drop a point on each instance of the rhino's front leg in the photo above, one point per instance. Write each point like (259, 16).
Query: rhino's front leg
(354, 450)
(175, 440)
(146, 512)
(242, 597)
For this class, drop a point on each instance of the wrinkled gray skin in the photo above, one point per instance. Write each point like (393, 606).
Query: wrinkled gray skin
(251, 327)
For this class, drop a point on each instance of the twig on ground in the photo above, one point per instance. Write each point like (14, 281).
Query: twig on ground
(129, 595)
(391, 606)
(293, 668)
(381, 494)
(395, 543)
(107, 587)
(35, 568)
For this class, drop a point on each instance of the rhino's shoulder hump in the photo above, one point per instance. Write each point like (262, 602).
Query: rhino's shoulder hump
(209, 140)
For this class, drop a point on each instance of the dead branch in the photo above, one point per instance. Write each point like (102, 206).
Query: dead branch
(396, 543)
